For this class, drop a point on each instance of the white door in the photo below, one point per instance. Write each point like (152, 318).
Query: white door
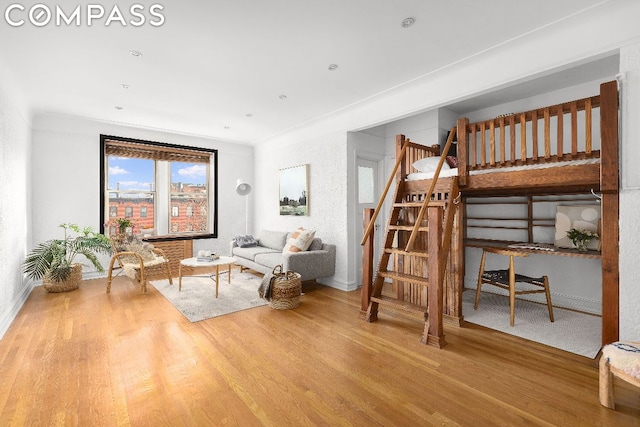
(367, 195)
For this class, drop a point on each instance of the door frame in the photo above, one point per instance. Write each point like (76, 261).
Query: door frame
(381, 161)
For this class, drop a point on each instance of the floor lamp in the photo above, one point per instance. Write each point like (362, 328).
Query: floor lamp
(243, 189)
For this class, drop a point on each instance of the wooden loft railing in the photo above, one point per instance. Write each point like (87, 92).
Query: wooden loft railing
(515, 139)
(432, 186)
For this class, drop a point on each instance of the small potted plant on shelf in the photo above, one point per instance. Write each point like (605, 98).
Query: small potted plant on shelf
(581, 238)
(125, 225)
(54, 261)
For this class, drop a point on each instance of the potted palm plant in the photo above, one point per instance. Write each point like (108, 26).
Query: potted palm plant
(54, 261)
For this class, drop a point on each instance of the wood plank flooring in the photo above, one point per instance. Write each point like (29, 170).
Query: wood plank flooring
(88, 358)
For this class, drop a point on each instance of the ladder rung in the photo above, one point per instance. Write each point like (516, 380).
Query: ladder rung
(400, 305)
(407, 278)
(407, 228)
(442, 203)
(422, 254)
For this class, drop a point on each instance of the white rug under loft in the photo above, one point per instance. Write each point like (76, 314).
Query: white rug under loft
(571, 331)
(197, 300)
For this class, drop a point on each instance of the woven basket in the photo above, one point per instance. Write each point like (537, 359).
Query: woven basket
(72, 282)
(285, 289)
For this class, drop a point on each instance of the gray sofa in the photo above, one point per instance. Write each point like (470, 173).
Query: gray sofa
(318, 261)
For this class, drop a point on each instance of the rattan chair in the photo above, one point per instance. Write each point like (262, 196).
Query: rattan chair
(137, 261)
(507, 279)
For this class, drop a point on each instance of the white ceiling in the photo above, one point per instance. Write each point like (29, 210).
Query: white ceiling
(594, 70)
(217, 68)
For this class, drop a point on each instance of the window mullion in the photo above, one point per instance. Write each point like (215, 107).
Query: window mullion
(163, 179)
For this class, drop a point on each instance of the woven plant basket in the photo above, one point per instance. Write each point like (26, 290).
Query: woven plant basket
(285, 290)
(72, 282)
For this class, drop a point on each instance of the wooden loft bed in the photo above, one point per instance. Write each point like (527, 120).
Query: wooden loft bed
(520, 152)
(527, 154)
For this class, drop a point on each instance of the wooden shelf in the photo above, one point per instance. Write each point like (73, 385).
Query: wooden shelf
(502, 244)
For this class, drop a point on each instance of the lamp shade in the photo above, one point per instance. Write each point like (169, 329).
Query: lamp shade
(242, 188)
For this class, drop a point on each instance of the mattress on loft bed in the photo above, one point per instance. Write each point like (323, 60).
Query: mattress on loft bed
(444, 173)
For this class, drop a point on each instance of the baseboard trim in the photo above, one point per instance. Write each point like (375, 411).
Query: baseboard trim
(329, 281)
(10, 315)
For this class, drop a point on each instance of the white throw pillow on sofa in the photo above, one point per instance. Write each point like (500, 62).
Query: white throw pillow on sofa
(299, 241)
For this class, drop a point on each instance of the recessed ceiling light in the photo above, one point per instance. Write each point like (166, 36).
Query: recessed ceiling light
(407, 22)
(283, 97)
(118, 107)
(125, 86)
(333, 67)
(135, 53)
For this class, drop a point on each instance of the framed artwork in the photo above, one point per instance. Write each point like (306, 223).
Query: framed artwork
(294, 191)
(581, 217)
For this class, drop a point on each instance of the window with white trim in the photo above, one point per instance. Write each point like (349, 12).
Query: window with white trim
(155, 185)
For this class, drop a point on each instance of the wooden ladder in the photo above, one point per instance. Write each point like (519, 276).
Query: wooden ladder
(417, 273)
(414, 254)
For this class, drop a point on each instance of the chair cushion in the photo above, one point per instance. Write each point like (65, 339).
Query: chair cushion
(130, 269)
(625, 356)
(145, 250)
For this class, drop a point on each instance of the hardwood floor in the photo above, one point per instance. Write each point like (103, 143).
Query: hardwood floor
(91, 359)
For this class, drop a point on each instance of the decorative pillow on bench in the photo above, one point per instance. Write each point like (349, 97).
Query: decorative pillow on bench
(299, 241)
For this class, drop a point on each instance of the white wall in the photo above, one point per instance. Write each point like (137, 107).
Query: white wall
(326, 156)
(66, 175)
(630, 194)
(15, 209)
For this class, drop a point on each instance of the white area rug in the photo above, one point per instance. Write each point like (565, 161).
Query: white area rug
(571, 331)
(197, 300)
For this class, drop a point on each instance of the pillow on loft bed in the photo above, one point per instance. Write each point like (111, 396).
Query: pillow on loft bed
(444, 173)
(429, 164)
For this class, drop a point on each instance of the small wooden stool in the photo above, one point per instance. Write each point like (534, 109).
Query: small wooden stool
(620, 359)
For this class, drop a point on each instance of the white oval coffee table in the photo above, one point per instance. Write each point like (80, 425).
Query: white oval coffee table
(195, 264)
